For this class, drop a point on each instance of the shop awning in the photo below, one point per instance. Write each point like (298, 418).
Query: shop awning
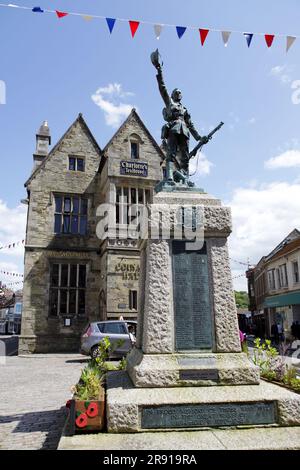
(292, 298)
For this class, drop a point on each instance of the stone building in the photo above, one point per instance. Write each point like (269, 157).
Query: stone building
(274, 287)
(75, 270)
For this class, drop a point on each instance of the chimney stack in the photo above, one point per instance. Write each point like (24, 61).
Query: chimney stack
(43, 140)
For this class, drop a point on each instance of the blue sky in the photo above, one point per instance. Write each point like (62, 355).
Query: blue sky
(53, 67)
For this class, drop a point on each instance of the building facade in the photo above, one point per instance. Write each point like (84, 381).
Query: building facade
(11, 314)
(76, 269)
(274, 287)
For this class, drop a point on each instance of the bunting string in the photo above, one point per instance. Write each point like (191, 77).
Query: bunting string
(240, 275)
(180, 30)
(12, 245)
(11, 274)
(5, 284)
(240, 262)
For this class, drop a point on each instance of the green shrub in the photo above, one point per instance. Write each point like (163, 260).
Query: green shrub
(93, 375)
(291, 380)
(267, 358)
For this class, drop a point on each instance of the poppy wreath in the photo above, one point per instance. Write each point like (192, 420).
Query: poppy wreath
(81, 420)
(92, 410)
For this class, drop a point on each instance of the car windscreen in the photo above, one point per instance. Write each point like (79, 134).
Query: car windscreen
(112, 328)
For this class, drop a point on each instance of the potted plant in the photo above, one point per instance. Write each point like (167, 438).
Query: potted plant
(87, 407)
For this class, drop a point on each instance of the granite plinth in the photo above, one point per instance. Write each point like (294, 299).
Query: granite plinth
(190, 370)
(195, 408)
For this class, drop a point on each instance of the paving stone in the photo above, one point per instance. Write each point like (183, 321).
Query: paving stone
(231, 439)
(33, 393)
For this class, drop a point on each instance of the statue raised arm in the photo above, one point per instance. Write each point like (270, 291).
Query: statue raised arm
(178, 128)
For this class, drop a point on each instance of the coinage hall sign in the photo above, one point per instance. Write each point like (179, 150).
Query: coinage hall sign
(133, 168)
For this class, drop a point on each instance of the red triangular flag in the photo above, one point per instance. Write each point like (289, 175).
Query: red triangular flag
(61, 14)
(269, 39)
(133, 27)
(203, 34)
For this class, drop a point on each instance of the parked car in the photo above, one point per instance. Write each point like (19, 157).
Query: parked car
(115, 330)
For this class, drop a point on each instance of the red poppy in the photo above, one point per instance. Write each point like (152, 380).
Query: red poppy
(92, 410)
(81, 421)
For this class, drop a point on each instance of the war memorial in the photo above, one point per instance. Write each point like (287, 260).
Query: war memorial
(187, 370)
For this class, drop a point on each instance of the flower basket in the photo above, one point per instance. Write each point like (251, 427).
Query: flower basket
(87, 415)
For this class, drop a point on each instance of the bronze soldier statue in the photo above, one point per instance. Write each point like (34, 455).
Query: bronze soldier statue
(176, 133)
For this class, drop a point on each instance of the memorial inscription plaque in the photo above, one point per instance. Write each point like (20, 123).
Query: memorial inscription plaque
(206, 414)
(201, 374)
(193, 322)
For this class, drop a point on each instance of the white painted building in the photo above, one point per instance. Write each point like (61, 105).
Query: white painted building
(277, 284)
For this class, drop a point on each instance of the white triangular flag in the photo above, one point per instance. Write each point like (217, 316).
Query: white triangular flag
(289, 42)
(225, 37)
(157, 30)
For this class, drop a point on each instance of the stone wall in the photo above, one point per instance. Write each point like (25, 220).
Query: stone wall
(41, 332)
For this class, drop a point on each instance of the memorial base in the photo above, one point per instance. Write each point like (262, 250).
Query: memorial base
(131, 409)
(182, 370)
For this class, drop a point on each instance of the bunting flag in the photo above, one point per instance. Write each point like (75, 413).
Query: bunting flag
(4, 284)
(225, 37)
(110, 23)
(157, 30)
(269, 39)
(203, 35)
(180, 31)
(11, 274)
(248, 37)
(61, 14)
(289, 42)
(133, 27)
(12, 245)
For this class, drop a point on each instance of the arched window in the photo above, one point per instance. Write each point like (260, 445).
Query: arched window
(135, 146)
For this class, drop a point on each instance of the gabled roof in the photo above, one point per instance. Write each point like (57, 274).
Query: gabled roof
(294, 235)
(289, 243)
(134, 114)
(80, 120)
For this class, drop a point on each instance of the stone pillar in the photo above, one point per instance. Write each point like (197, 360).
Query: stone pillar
(157, 361)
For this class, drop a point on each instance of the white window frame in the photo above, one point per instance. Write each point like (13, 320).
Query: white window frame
(283, 275)
(271, 279)
(123, 203)
(295, 272)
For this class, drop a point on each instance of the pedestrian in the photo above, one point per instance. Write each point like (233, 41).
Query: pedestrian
(274, 333)
(280, 332)
(243, 342)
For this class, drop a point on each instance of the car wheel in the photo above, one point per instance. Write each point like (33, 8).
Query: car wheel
(95, 352)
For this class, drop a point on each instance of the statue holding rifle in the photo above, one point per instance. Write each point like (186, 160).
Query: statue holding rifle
(176, 132)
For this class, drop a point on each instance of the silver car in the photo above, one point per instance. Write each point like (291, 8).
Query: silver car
(115, 330)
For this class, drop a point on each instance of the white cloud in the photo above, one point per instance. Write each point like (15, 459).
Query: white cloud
(200, 165)
(12, 230)
(262, 217)
(282, 73)
(108, 99)
(288, 159)
(277, 70)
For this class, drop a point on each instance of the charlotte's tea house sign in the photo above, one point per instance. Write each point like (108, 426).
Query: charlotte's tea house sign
(133, 168)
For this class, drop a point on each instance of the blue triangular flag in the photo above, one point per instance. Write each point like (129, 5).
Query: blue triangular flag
(248, 37)
(37, 10)
(110, 23)
(180, 31)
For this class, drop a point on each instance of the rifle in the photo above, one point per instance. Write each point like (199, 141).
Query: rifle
(209, 136)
